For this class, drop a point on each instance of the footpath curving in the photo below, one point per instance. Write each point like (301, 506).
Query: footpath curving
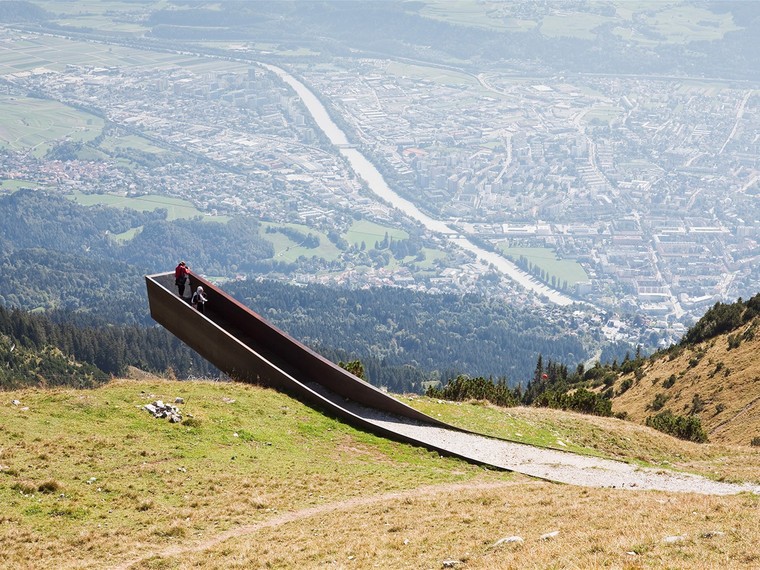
(245, 346)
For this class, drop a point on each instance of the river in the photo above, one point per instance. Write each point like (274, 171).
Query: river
(377, 184)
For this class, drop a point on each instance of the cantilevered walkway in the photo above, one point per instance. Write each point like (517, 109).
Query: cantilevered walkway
(245, 346)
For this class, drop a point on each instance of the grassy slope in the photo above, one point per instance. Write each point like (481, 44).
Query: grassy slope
(295, 489)
(727, 382)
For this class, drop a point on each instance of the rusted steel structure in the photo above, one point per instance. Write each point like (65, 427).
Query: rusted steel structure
(245, 346)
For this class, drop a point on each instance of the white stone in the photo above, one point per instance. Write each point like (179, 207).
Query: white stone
(509, 540)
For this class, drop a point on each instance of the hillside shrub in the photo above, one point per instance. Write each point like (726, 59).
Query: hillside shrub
(694, 360)
(580, 400)
(688, 428)
(659, 402)
(465, 388)
(697, 404)
(670, 381)
(625, 385)
(755, 442)
(49, 487)
(675, 352)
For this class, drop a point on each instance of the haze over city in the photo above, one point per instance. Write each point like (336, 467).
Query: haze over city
(596, 156)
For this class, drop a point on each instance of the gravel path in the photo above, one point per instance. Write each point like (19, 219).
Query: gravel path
(550, 464)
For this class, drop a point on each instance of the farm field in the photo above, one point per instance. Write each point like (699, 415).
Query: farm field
(288, 250)
(30, 124)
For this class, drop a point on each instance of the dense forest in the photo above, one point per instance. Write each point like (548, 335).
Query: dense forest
(62, 348)
(58, 256)
(391, 328)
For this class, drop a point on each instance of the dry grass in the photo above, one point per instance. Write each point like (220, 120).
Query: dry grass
(593, 435)
(726, 382)
(125, 482)
(90, 480)
(595, 529)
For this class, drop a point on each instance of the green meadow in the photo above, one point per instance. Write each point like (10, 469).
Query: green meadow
(252, 478)
(563, 269)
(177, 208)
(370, 232)
(288, 250)
(11, 185)
(435, 74)
(55, 53)
(130, 142)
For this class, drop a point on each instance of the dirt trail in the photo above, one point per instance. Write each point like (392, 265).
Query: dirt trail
(292, 516)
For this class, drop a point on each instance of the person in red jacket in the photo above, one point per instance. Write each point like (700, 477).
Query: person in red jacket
(180, 278)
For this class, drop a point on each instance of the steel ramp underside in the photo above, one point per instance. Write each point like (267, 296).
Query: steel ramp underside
(246, 347)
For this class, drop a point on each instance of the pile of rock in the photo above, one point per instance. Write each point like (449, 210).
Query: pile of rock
(160, 410)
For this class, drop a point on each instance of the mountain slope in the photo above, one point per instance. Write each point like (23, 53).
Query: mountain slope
(717, 379)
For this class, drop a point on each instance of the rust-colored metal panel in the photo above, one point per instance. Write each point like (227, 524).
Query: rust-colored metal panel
(244, 345)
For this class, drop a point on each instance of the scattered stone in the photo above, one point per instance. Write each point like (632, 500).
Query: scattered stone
(91, 480)
(509, 540)
(549, 535)
(227, 400)
(673, 539)
(16, 402)
(631, 553)
(712, 533)
(562, 443)
(451, 563)
(179, 400)
(160, 410)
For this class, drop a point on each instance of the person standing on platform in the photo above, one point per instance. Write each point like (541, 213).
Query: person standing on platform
(199, 300)
(180, 278)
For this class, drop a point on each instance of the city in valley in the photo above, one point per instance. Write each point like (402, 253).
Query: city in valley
(627, 194)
